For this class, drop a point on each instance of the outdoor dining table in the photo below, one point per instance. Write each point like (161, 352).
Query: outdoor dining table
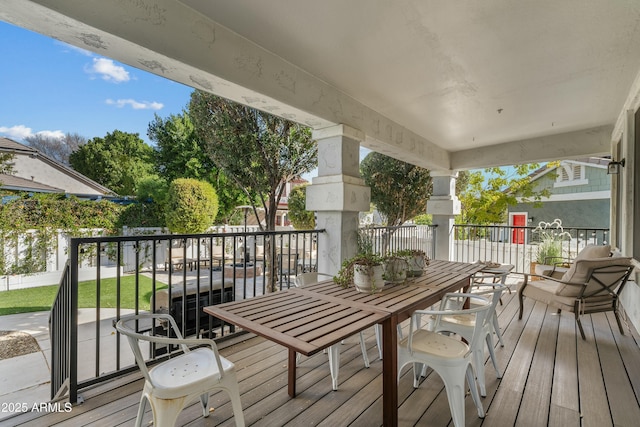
(309, 319)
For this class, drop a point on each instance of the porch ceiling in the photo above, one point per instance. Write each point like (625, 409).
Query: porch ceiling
(445, 85)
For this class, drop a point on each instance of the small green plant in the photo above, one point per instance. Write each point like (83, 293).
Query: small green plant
(344, 278)
(407, 253)
(550, 236)
(395, 269)
(416, 260)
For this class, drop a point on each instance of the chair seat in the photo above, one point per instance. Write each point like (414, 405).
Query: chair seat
(436, 345)
(187, 373)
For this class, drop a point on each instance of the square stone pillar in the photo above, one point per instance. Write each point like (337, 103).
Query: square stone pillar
(444, 205)
(338, 195)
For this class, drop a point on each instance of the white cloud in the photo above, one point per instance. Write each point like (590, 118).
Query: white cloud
(58, 134)
(16, 132)
(136, 105)
(20, 132)
(109, 71)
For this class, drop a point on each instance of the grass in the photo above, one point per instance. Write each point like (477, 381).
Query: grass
(41, 298)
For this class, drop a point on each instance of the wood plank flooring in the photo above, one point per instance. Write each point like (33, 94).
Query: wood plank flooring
(551, 377)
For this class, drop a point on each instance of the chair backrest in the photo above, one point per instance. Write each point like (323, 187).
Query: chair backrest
(216, 251)
(177, 253)
(595, 273)
(480, 308)
(288, 262)
(608, 280)
(130, 325)
(310, 278)
(493, 292)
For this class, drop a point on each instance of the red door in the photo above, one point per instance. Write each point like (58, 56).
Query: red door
(518, 233)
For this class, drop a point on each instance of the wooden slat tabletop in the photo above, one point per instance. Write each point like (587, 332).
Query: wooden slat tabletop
(302, 322)
(311, 318)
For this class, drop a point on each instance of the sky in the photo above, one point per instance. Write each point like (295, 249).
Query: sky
(52, 88)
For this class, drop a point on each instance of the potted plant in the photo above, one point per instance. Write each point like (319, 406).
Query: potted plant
(396, 269)
(416, 260)
(364, 271)
(550, 236)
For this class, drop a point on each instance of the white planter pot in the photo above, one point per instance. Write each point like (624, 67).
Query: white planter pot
(368, 278)
(395, 270)
(417, 264)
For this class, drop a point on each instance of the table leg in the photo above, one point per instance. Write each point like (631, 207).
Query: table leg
(390, 372)
(292, 373)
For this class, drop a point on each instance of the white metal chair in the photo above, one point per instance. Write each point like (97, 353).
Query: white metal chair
(449, 357)
(478, 282)
(334, 351)
(464, 325)
(171, 385)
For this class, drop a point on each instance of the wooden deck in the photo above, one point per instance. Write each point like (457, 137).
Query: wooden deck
(551, 378)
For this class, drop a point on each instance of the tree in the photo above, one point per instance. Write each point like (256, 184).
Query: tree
(399, 190)
(118, 161)
(180, 153)
(258, 151)
(57, 148)
(300, 217)
(489, 193)
(192, 206)
(149, 211)
(6, 163)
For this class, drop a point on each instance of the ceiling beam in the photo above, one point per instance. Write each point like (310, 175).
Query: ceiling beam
(592, 142)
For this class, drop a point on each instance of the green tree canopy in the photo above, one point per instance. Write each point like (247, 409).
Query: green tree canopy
(191, 207)
(180, 153)
(258, 151)
(399, 190)
(117, 161)
(300, 217)
(489, 193)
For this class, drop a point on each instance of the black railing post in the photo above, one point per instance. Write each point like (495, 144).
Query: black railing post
(73, 325)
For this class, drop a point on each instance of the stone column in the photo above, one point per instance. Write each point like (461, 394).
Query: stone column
(444, 205)
(337, 194)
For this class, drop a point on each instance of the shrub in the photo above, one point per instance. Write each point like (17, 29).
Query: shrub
(191, 207)
(300, 217)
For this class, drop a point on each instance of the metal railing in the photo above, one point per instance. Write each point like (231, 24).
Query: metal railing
(179, 274)
(387, 240)
(516, 245)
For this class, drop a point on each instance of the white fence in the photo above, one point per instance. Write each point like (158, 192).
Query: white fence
(56, 254)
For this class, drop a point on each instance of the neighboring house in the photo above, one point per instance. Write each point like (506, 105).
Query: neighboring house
(580, 195)
(35, 172)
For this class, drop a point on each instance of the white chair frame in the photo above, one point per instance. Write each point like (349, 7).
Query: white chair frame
(449, 357)
(202, 370)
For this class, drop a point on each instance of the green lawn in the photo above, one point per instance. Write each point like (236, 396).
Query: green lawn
(41, 298)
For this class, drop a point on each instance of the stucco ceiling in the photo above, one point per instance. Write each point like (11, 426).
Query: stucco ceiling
(444, 84)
